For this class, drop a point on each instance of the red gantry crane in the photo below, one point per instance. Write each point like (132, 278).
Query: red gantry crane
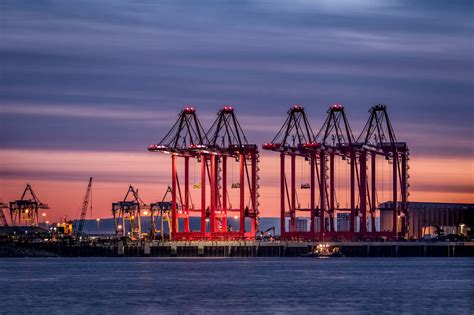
(186, 140)
(228, 144)
(378, 139)
(296, 139)
(335, 143)
(335, 139)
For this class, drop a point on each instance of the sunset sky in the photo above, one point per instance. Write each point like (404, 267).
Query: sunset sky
(87, 86)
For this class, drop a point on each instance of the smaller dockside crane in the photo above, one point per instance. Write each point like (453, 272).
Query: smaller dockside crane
(86, 202)
(127, 214)
(163, 209)
(26, 211)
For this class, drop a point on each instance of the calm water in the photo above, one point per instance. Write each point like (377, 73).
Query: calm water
(300, 285)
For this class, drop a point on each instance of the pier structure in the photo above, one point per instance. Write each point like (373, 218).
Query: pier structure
(246, 248)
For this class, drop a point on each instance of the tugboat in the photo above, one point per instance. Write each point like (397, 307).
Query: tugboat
(323, 251)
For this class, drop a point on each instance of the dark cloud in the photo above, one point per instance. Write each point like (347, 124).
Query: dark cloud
(259, 56)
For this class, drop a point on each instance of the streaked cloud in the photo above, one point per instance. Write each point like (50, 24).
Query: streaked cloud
(102, 112)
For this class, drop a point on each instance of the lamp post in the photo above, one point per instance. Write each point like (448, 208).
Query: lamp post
(145, 213)
(236, 218)
(98, 226)
(44, 215)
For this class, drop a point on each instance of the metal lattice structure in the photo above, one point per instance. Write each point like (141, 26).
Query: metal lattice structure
(186, 140)
(228, 143)
(378, 139)
(128, 211)
(84, 206)
(163, 209)
(3, 219)
(296, 139)
(212, 150)
(25, 211)
(335, 142)
(335, 139)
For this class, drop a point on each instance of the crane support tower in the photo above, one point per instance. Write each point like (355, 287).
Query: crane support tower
(25, 211)
(126, 214)
(85, 203)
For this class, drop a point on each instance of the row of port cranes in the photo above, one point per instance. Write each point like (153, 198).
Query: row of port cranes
(28, 210)
(223, 168)
(347, 177)
(128, 212)
(127, 215)
(336, 163)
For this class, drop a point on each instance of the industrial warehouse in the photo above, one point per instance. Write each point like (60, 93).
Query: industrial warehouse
(351, 194)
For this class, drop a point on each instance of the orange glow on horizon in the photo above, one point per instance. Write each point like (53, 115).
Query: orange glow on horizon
(59, 178)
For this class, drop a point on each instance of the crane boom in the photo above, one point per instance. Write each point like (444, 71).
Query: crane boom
(85, 203)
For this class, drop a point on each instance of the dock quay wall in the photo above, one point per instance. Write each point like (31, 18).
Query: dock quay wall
(240, 249)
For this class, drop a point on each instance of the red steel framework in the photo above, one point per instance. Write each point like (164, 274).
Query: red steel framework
(225, 140)
(377, 140)
(186, 140)
(336, 141)
(296, 139)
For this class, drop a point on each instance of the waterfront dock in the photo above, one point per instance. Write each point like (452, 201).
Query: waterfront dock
(239, 249)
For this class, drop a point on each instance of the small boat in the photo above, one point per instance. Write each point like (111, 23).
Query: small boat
(323, 250)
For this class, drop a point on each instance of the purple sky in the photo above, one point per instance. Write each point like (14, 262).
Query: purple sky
(113, 75)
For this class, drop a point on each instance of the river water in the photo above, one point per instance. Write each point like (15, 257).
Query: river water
(261, 285)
